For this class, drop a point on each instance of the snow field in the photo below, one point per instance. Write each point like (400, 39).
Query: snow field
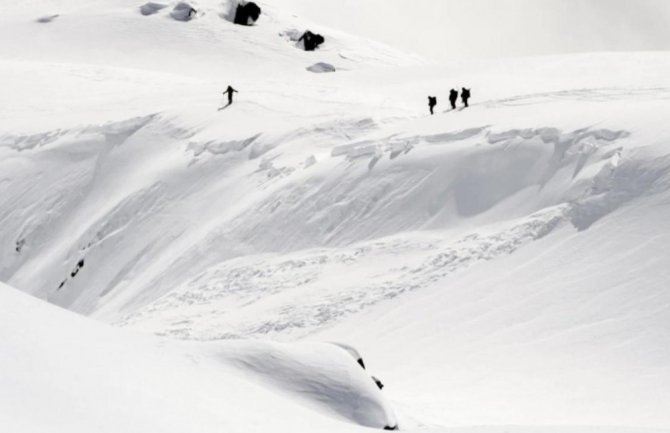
(500, 265)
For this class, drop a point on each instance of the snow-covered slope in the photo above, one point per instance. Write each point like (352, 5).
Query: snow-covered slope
(61, 372)
(503, 264)
(117, 34)
(457, 29)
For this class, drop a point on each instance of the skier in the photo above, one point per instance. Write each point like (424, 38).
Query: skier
(465, 95)
(453, 97)
(432, 102)
(230, 92)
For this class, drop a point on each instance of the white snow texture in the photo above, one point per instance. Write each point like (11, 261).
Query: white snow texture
(501, 268)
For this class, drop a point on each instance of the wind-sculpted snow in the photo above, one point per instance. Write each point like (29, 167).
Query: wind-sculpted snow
(87, 376)
(371, 189)
(317, 374)
(616, 185)
(411, 192)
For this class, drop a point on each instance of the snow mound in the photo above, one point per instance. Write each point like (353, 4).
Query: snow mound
(292, 35)
(228, 9)
(90, 377)
(183, 12)
(321, 67)
(338, 386)
(151, 8)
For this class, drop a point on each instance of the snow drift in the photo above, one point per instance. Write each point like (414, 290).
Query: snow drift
(66, 372)
(151, 8)
(321, 67)
(183, 12)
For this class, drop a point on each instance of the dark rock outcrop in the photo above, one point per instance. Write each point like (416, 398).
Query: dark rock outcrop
(247, 14)
(311, 40)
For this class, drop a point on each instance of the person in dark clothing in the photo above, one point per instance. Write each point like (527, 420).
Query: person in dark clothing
(453, 97)
(465, 95)
(432, 102)
(230, 92)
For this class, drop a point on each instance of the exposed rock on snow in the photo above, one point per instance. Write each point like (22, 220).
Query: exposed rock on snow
(351, 351)
(247, 13)
(47, 18)
(310, 41)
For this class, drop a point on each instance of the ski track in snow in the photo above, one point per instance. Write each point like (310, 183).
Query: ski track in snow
(600, 95)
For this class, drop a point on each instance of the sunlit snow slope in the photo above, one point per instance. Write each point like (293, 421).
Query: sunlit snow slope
(66, 373)
(503, 264)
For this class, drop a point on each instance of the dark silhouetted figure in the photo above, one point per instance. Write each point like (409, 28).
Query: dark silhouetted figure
(230, 92)
(432, 102)
(465, 95)
(311, 40)
(247, 14)
(453, 97)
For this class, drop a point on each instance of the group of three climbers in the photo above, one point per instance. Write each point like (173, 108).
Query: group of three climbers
(453, 97)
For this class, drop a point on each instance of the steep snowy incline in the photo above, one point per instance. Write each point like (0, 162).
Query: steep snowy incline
(570, 327)
(63, 373)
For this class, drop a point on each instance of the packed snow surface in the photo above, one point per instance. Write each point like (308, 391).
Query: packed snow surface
(504, 264)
